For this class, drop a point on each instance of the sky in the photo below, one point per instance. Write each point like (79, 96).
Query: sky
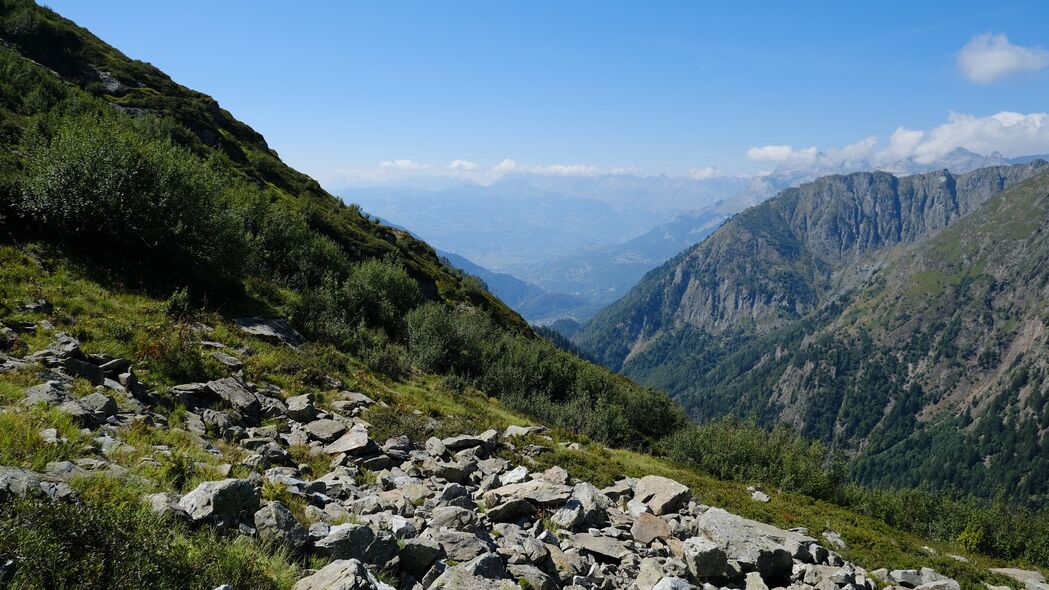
(364, 93)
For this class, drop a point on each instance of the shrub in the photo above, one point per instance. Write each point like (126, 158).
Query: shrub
(97, 177)
(95, 545)
(729, 448)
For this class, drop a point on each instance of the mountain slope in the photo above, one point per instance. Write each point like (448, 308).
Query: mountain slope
(776, 315)
(67, 60)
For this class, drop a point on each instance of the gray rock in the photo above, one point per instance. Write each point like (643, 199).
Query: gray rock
(703, 558)
(346, 541)
(417, 555)
(513, 430)
(673, 583)
(487, 565)
(834, 540)
(231, 362)
(649, 527)
(342, 574)
(754, 545)
(662, 495)
(538, 492)
(100, 405)
(603, 548)
(453, 517)
(277, 330)
(301, 408)
(275, 523)
(354, 442)
(532, 576)
(235, 393)
(52, 393)
(326, 430)
(459, 545)
(223, 503)
(84, 370)
(511, 511)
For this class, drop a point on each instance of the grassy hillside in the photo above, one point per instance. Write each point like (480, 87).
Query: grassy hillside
(160, 339)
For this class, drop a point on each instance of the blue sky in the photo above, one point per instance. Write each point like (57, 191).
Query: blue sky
(339, 88)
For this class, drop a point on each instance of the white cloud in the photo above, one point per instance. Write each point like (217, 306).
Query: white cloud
(505, 166)
(463, 165)
(988, 58)
(403, 165)
(1006, 132)
(391, 171)
(782, 154)
(703, 172)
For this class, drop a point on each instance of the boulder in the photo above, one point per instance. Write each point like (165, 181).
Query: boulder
(301, 408)
(100, 405)
(222, 503)
(511, 511)
(51, 393)
(235, 393)
(275, 523)
(587, 507)
(529, 576)
(354, 442)
(417, 555)
(1029, 578)
(326, 430)
(538, 492)
(342, 574)
(278, 330)
(673, 583)
(663, 496)
(754, 545)
(704, 558)
(649, 527)
(346, 541)
(459, 545)
(229, 361)
(453, 517)
(84, 370)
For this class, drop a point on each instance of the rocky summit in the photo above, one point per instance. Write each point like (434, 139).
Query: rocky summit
(449, 514)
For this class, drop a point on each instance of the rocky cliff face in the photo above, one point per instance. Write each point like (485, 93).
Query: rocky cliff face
(776, 261)
(865, 310)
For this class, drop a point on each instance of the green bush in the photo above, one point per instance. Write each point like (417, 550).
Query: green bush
(93, 545)
(729, 448)
(97, 177)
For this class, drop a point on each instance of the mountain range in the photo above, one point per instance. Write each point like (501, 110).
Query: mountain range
(591, 238)
(901, 319)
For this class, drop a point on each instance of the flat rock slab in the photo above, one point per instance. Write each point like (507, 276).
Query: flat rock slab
(274, 330)
(354, 442)
(326, 430)
(603, 548)
(541, 493)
